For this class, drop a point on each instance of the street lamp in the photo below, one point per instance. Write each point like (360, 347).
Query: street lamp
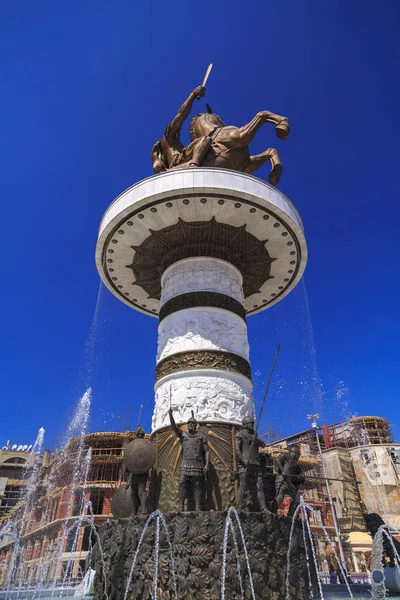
(314, 419)
(314, 425)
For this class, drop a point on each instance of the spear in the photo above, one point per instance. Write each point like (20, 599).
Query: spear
(140, 414)
(267, 386)
(313, 477)
(241, 494)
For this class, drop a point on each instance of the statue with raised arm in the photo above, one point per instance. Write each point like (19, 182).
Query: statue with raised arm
(169, 152)
(247, 445)
(214, 144)
(194, 462)
(289, 478)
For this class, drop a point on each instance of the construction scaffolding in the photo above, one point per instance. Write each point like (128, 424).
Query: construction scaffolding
(357, 431)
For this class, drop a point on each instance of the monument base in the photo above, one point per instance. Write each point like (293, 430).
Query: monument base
(197, 542)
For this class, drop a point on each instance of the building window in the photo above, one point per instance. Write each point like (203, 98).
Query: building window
(89, 538)
(82, 568)
(72, 537)
(67, 568)
(79, 498)
(97, 500)
(55, 508)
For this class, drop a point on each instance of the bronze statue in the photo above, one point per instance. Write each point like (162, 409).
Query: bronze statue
(194, 463)
(213, 144)
(139, 458)
(289, 478)
(230, 144)
(169, 152)
(247, 444)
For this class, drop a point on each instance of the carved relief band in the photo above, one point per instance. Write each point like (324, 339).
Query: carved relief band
(202, 329)
(213, 395)
(203, 359)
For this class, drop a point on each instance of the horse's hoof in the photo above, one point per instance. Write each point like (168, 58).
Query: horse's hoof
(282, 129)
(275, 174)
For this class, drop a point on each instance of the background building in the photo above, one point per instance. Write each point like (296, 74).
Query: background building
(362, 449)
(58, 501)
(16, 463)
(362, 462)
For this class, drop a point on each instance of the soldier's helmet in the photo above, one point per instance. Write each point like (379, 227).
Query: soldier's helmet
(247, 419)
(192, 419)
(140, 432)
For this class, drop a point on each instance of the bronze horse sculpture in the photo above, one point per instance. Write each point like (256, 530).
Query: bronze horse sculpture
(214, 144)
(229, 145)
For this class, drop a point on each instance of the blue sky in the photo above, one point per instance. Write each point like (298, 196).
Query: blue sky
(88, 87)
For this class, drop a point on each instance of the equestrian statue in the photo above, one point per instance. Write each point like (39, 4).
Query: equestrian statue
(214, 144)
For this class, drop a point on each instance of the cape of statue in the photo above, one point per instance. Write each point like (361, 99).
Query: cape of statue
(213, 144)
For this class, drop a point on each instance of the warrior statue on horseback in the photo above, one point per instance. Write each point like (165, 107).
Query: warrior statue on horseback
(213, 144)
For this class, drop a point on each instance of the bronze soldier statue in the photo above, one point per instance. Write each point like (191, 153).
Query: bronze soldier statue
(289, 478)
(247, 444)
(194, 463)
(139, 457)
(169, 152)
(137, 481)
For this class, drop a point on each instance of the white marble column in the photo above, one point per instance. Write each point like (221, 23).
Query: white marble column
(202, 318)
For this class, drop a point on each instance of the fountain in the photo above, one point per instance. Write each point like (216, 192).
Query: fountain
(28, 591)
(71, 464)
(158, 516)
(384, 578)
(230, 528)
(202, 246)
(303, 508)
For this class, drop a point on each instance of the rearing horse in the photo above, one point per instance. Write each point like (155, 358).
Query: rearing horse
(229, 145)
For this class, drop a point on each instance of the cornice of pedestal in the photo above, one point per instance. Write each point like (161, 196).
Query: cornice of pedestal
(236, 217)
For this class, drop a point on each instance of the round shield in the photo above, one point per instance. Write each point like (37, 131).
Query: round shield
(139, 456)
(121, 503)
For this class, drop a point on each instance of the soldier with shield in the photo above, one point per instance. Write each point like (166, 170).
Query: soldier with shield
(137, 481)
(139, 457)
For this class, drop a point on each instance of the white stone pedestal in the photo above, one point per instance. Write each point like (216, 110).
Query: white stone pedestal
(201, 249)
(191, 329)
